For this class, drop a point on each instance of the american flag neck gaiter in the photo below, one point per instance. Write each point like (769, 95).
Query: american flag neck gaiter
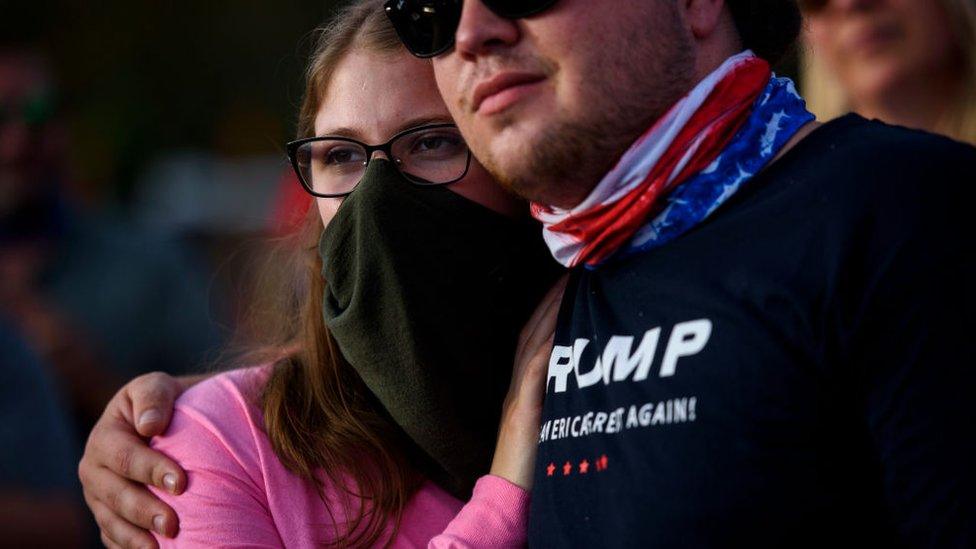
(693, 159)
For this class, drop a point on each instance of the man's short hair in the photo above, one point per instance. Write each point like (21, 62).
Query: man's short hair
(768, 27)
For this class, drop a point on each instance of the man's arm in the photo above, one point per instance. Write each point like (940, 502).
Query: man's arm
(910, 346)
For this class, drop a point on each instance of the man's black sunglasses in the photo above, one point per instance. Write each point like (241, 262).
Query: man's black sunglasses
(427, 27)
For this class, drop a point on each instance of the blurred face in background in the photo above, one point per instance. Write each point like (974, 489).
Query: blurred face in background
(887, 54)
(28, 144)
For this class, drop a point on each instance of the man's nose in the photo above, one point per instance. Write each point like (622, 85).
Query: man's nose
(481, 31)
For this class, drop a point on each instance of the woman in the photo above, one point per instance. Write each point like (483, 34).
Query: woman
(379, 408)
(907, 62)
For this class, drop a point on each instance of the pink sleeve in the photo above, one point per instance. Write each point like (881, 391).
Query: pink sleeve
(224, 504)
(496, 516)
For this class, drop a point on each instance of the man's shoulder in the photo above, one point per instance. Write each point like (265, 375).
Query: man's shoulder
(878, 153)
(853, 132)
(852, 167)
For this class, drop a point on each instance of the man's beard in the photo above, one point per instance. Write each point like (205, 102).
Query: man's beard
(569, 157)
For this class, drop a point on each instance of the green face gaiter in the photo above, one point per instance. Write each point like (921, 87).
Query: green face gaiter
(426, 293)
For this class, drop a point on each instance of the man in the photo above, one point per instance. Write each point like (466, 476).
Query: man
(791, 369)
(763, 338)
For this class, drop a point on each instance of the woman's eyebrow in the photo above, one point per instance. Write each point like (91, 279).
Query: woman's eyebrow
(340, 132)
(353, 133)
(423, 121)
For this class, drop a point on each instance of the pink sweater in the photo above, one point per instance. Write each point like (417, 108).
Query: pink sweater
(240, 495)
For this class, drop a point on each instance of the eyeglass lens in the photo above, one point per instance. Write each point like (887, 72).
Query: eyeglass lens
(429, 156)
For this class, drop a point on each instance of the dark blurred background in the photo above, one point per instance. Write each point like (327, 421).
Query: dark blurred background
(141, 161)
(137, 79)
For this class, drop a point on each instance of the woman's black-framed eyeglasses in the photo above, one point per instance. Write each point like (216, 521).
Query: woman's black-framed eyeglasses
(427, 27)
(331, 166)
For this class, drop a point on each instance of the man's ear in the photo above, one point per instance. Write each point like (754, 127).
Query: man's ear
(702, 16)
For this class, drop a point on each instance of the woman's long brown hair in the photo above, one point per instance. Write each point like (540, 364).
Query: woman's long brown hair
(322, 421)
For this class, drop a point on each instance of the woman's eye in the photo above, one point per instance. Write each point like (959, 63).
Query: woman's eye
(431, 143)
(342, 156)
(439, 144)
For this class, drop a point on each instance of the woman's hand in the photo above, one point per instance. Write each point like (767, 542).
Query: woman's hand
(522, 412)
(118, 463)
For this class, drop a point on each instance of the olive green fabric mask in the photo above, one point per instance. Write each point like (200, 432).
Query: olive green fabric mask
(426, 293)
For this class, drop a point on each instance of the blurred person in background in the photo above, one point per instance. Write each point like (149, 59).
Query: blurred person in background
(37, 453)
(906, 62)
(96, 299)
(34, 219)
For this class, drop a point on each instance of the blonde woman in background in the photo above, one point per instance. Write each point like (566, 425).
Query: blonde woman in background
(907, 62)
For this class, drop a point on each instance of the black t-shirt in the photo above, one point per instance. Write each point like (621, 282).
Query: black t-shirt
(796, 371)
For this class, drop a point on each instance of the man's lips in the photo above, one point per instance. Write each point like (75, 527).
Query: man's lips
(502, 90)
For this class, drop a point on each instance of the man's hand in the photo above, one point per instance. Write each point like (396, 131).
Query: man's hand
(118, 463)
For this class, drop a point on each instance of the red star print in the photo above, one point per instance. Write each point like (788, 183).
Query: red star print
(550, 470)
(601, 463)
(584, 467)
(567, 469)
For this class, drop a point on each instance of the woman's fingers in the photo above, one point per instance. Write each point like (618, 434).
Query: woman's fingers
(537, 368)
(554, 294)
(547, 323)
(525, 394)
(542, 322)
(537, 334)
(515, 450)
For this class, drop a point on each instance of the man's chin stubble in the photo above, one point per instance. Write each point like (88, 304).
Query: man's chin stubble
(566, 160)
(561, 168)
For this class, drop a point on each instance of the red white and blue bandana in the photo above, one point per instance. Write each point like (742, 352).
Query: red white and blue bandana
(684, 167)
